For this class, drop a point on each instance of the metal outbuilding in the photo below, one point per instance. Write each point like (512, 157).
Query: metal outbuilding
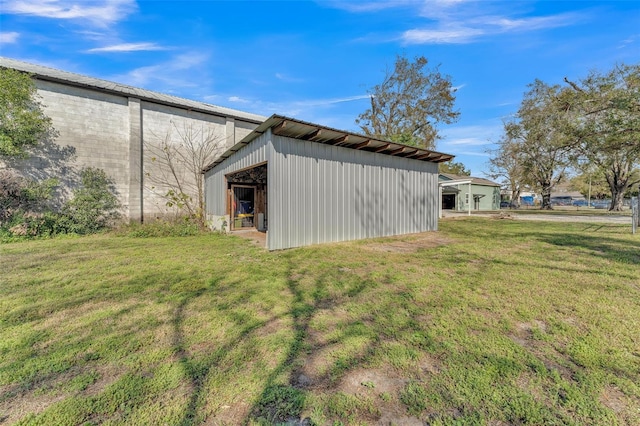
(308, 184)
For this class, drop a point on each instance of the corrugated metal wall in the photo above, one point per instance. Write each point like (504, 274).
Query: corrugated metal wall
(247, 156)
(321, 193)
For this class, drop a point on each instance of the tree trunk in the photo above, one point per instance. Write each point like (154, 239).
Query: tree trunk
(546, 198)
(618, 184)
(515, 198)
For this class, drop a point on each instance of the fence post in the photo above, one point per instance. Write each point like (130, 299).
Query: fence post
(635, 214)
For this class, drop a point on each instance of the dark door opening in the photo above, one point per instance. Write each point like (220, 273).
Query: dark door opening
(448, 201)
(243, 211)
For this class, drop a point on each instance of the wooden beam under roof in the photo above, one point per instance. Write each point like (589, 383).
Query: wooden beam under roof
(423, 156)
(340, 140)
(363, 144)
(312, 135)
(437, 158)
(409, 154)
(382, 148)
(279, 126)
(397, 151)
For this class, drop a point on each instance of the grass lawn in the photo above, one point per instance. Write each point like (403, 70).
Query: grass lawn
(569, 211)
(487, 321)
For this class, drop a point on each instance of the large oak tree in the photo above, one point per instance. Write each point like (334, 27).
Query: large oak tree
(410, 103)
(539, 140)
(606, 127)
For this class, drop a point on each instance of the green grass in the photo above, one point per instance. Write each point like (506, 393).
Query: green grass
(567, 211)
(483, 322)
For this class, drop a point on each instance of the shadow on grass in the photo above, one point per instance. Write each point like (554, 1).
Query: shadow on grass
(285, 390)
(614, 249)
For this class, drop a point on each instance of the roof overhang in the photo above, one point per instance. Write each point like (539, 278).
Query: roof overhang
(455, 182)
(302, 130)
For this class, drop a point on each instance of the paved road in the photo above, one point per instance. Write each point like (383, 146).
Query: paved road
(621, 220)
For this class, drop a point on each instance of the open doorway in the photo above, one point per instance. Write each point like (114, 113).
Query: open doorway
(243, 209)
(247, 198)
(448, 201)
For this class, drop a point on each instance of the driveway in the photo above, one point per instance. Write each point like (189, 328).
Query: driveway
(620, 220)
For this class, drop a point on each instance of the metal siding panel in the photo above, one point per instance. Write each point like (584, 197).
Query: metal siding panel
(327, 193)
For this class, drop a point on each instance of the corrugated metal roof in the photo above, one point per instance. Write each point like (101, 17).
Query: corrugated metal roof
(51, 74)
(474, 180)
(302, 130)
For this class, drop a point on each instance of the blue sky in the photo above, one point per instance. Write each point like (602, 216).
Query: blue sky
(317, 60)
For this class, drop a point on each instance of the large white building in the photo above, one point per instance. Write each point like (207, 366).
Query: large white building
(112, 126)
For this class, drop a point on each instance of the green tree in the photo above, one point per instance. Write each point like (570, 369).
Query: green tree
(23, 124)
(454, 168)
(606, 128)
(539, 139)
(410, 103)
(591, 183)
(505, 165)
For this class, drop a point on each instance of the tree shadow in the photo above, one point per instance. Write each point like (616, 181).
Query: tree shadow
(48, 160)
(614, 249)
(282, 400)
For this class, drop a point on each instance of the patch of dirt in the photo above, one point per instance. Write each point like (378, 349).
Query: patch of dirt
(17, 402)
(15, 408)
(626, 408)
(524, 332)
(399, 420)
(230, 414)
(108, 374)
(524, 338)
(375, 383)
(409, 244)
(363, 381)
(528, 326)
(430, 365)
(503, 215)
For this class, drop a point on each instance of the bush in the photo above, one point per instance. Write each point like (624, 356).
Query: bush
(160, 228)
(94, 205)
(25, 210)
(19, 196)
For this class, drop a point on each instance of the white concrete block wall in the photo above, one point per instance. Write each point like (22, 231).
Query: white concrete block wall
(97, 125)
(109, 131)
(162, 123)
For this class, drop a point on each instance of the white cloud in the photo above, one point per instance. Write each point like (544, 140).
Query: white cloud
(441, 36)
(629, 40)
(287, 78)
(533, 23)
(366, 6)
(9, 37)
(180, 71)
(330, 101)
(98, 12)
(238, 99)
(452, 29)
(471, 136)
(127, 47)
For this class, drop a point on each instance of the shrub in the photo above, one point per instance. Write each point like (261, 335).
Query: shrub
(161, 228)
(19, 195)
(94, 205)
(26, 212)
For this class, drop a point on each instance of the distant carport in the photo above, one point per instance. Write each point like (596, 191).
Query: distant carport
(452, 183)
